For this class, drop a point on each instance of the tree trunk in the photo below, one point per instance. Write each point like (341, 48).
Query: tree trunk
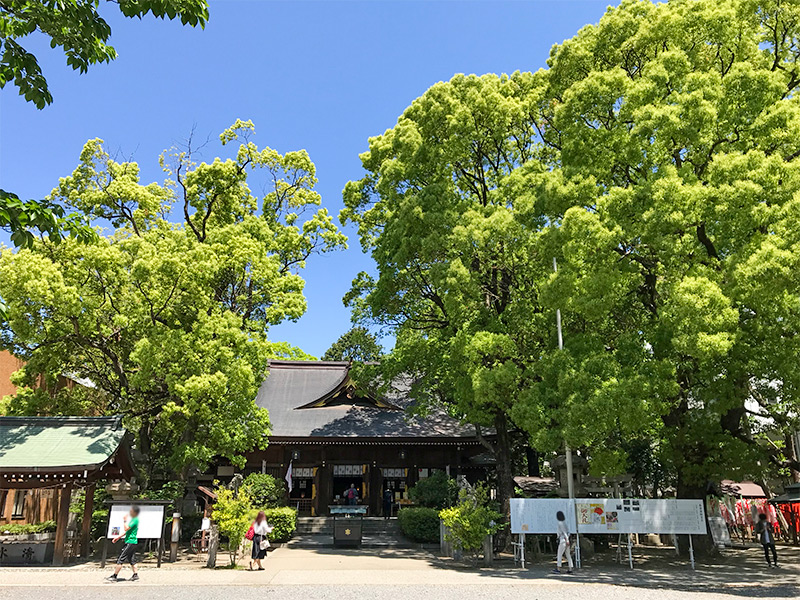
(533, 462)
(213, 545)
(703, 544)
(505, 481)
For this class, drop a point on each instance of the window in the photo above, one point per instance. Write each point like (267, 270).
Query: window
(19, 504)
(3, 500)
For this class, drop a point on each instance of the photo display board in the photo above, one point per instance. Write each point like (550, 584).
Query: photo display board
(609, 515)
(151, 520)
(538, 515)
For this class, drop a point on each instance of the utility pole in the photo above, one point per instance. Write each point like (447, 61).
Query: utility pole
(568, 450)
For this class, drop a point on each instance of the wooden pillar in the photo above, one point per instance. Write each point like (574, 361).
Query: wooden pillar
(375, 489)
(61, 524)
(86, 525)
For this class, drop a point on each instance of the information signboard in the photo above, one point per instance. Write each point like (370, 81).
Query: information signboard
(538, 515)
(151, 520)
(609, 515)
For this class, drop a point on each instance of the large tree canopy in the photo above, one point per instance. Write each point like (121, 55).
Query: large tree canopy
(674, 197)
(357, 344)
(170, 320)
(77, 28)
(657, 159)
(444, 215)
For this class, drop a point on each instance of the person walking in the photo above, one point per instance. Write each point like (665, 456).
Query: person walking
(130, 531)
(260, 529)
(388, 500)
(352, 495)
(562, 532)
(766, 535)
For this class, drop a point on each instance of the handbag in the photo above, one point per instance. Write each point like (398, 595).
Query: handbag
(264, 544)
(251, 533)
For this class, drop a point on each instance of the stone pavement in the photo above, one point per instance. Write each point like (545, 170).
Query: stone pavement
(737, 573)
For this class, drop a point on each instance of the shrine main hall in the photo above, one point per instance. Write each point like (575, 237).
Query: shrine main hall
(334, 437)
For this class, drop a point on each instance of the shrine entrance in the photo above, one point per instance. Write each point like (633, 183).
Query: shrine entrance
(343, 477)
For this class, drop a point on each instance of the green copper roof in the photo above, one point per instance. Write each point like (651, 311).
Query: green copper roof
(53, 442)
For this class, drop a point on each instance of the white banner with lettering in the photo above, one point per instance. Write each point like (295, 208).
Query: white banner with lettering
(609, 515)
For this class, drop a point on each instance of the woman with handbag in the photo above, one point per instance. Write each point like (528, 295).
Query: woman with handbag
(258, 533)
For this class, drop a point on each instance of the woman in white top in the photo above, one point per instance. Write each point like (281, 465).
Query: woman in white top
(563, 543)
(260, 542)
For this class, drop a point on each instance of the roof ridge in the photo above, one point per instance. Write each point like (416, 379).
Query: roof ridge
(115, 420)
(308, 363)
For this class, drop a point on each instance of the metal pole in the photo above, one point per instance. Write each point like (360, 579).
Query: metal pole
(570, 482)
(630, 551)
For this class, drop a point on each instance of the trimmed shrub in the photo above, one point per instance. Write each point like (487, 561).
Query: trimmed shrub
(283, 521)
(437, 491)
(265, 491)
(19, 529)
(419, 524)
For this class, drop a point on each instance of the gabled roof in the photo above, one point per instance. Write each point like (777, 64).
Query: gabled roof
(59, 443)
(747, 489)
(317, 399)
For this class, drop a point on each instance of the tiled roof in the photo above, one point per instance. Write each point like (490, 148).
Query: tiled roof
(58, 442)
(292, 385)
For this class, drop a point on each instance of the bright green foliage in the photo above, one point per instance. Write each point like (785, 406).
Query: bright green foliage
(657, 159)
(471, 520)
(419, 524)
(437, 491)
(265, 491)
(445, 216)
(20, 216)
(77, 27)
(170, 490)
(170, 320)
(232, 516)
(673, 200)
(51, 399)
(283, 521)
(357, 345)
(27, 528)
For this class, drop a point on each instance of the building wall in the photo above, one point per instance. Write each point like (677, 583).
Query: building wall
(415, 460)
(9, 364)
(37, 506)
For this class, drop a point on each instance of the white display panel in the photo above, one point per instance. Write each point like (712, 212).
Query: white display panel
(151, 520)
(538, 515)
(609, 515)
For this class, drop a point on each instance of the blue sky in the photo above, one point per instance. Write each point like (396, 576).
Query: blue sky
(323, 76)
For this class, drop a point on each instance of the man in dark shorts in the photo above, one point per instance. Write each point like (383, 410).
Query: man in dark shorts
(130, 531)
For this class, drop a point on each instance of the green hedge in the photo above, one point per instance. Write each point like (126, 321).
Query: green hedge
(283, 521)
(17, 529)
(419, 524)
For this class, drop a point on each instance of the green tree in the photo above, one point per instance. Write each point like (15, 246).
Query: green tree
(672, 198)
(76, 27)
(264, 491)
(446, 214)
(437, 491)
(232, 515)
(170, 320)
(471, 520)
(357, 345)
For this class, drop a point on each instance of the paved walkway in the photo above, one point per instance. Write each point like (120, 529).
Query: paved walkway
(737, 573)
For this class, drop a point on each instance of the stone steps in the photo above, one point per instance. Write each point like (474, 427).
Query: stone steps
(316, 532)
